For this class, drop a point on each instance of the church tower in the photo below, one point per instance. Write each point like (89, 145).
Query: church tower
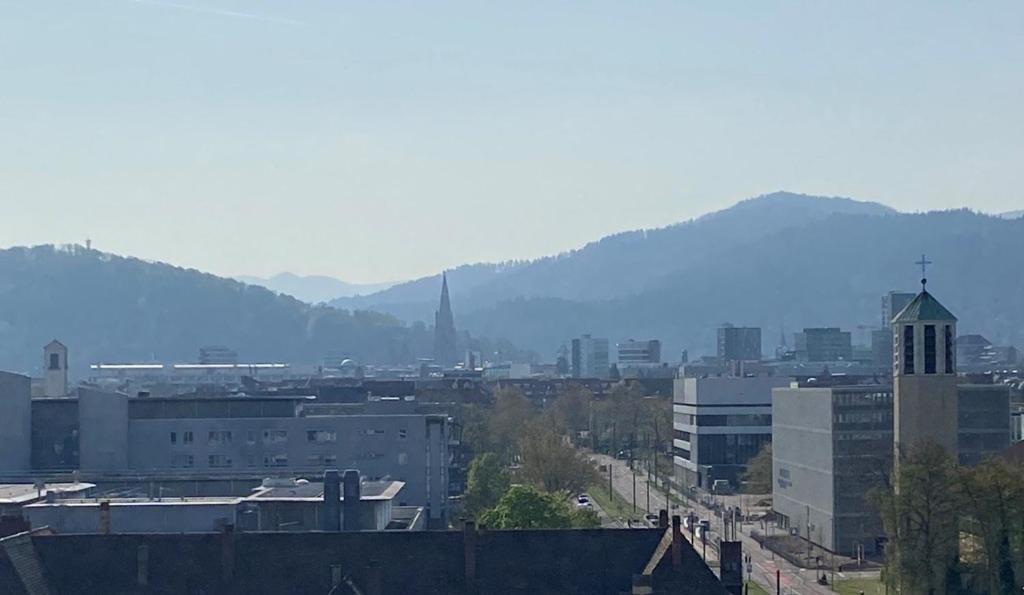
(444, 328)
(55, 367)
(924, 374)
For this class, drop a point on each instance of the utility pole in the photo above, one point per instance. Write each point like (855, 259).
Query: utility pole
(648, 496)
(610, 497)
(634, 491)
(778, 582)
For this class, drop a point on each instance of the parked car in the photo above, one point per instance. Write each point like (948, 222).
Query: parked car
(583, 500)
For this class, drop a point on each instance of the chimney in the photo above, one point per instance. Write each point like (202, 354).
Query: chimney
(677, 542)
(105, 517)
(331, 520)
(469, 545)
(350, 502)
(663, 519)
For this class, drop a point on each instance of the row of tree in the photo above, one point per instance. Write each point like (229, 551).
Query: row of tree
(954, 529)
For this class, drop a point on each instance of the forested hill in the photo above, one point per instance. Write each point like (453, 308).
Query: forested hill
(780, 261)
(110, 308)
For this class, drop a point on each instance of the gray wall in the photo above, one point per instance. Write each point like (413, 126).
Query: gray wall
(135, 517)
(370, 443)
(15, 422)
(103, 430)
(803, 487)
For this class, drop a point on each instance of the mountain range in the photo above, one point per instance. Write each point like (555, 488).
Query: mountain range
(313, 288)
(781, 261)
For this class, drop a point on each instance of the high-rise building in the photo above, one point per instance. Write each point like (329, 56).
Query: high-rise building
(590, 357)
(639, 352)
(924, 375)
(739, 343)
(881, 339)
(892, 304)
(824, 345)
(444, 329)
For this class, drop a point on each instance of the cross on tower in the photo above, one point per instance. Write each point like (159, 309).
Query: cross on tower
(923, 263)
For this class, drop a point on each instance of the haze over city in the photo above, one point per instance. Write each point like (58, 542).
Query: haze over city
(261, 137)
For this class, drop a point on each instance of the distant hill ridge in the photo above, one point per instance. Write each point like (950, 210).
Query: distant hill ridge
(313, 288)
(780, 261)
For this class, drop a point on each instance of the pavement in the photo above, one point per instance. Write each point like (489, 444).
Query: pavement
(763, 562)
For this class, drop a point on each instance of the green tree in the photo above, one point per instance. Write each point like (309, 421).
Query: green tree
(921, 515)
(550, 462)
(758, 477)
(992, 497)
(512, 411)
(487, 483)
(572, 409)
(526, 507)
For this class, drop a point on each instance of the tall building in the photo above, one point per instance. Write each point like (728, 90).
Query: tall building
(444, 329)
(824, 345)
(739, 343)
(924, 375)
(590, 357)
(639, 352)
(881, 339)
(719, 424)
(892, 304)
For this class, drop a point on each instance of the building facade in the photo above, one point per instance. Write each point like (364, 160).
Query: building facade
(639, 352)
(719, 424)
(589, 357)
(824, 345)
(738, 343)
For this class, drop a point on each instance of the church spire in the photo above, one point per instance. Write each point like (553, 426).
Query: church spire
(444, 328)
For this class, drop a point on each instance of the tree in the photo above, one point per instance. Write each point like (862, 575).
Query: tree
(992, 496)
(551, 463)
(512, 411)
(488, 481)
(572, 409)
(525, 507)
(921, 514)
(758, 477)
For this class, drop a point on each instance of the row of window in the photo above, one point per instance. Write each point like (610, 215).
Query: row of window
(930, 351)
(224, 461)
(273, 436)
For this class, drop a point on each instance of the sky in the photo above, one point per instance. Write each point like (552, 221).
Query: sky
(379, 141)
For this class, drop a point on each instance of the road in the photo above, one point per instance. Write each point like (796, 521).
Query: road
(764, 563)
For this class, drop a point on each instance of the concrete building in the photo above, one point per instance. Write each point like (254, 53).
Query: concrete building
(281, 505)
(892, 304)
(823, 345)
(15, 422)
(738, 343)
(639, 352)
(719, 424)
(924, 375)
(236, 440)
(589, 357)
(830, 447)
(55, 366)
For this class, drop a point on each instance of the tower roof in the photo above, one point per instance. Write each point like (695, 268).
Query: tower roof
(924, 307)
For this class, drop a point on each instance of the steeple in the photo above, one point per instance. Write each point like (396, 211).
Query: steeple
(444, 328)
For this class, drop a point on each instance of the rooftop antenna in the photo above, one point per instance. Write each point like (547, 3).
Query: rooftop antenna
(923, 263)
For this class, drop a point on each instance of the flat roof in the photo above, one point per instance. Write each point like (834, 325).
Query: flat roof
(187, 501)
(369, 490)
(19, 493)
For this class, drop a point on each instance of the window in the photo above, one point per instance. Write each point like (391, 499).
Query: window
(219, 461)
(321, 436)
(54, 361)
(321, 460)
(186, 437)
(373, 432)
(275, 436)
(950, 350)
(403, 458)
(403, 434)
(250, 437)
(908, 349)
(174, 437)
(219, 437)
(182, 461)
(278, 460)
(929, 349)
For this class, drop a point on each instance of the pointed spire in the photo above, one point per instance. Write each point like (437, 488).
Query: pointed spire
(444, 328)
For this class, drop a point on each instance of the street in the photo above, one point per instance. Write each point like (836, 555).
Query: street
(764, 563)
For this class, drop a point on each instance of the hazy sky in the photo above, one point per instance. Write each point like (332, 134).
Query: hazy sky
(385, 140)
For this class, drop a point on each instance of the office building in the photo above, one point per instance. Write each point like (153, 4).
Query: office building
(639, 352)
(217, 354)
(823, 345)
(590, 357)
(719, 424)
(737, 343)
(892, 304)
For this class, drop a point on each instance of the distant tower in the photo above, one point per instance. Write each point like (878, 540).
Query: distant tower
(444, 328)
(924, 373)
(55, 365)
